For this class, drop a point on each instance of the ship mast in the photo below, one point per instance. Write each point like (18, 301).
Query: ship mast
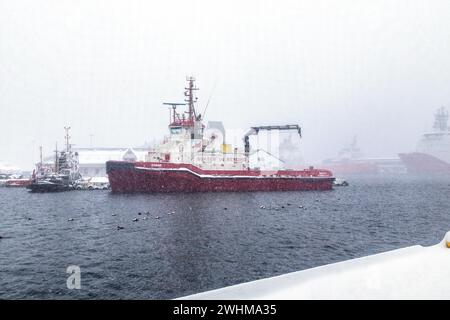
(67, 137)
(441, 119)
(190, 99)
(56, 158)
(40, 156)
(188, 122)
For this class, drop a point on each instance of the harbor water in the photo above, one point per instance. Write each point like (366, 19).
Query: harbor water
(182, 244)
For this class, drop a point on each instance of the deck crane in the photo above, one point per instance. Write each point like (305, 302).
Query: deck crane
(255, 131)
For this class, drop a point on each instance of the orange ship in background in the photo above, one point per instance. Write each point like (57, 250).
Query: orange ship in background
(350, 161)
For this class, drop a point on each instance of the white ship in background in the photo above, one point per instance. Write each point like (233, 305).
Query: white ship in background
(291, 154)
(432, 154)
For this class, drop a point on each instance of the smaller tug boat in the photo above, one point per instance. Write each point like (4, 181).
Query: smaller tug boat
(12, 176)
(13, 180)
(64, 176)
(17, 182)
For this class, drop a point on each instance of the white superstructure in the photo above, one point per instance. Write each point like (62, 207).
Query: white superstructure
(437, 143)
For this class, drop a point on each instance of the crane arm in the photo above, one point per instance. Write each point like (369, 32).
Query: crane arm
(255, 130)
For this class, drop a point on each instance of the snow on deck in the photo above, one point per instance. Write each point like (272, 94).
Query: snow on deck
(411, 273)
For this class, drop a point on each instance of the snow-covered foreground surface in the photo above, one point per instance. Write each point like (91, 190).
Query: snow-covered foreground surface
(411, 273)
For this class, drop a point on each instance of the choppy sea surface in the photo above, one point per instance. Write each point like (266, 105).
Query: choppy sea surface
(204, 241)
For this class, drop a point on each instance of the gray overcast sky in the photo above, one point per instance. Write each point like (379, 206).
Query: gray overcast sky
(378, 69)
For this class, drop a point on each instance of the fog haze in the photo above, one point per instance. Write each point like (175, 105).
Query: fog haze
(377, 70)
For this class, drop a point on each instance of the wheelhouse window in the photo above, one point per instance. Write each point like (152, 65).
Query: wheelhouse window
(175, 130)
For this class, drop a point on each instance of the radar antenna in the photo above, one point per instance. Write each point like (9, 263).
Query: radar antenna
(182, 120)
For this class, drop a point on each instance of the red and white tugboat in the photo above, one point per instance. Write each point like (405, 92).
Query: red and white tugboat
(183, 163)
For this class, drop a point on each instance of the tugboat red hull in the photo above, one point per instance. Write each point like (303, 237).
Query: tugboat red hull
(149, 177)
